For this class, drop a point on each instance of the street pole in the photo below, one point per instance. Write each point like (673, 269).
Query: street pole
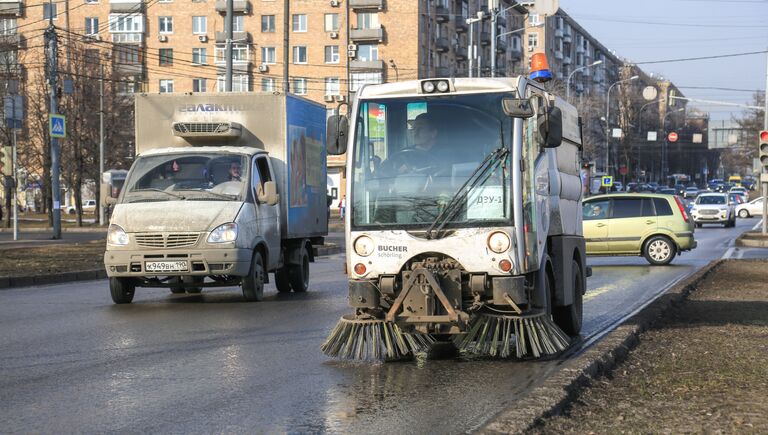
(101, 141)
(228, 24)
(53, 73)
(494, 15)
(286, 44)
(765, 127)
(471, 54)
(15, 180)
(568, 82)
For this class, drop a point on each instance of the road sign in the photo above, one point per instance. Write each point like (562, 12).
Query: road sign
(623, 170)
(651, 136)
(58, 126)
(606, 181)
(672, 137)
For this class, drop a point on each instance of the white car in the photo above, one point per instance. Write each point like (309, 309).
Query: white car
(89, 206)
(714, 208)
(749, 209)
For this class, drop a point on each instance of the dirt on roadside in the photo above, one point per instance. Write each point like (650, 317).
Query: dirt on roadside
(704, 369)
(52, 259)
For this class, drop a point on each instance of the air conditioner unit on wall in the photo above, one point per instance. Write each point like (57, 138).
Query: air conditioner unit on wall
(263, 67)
(328, 98)
(335, 3)
(203, 38)
(334, 35)
(352, 47)
(162, 38)
(341, 98)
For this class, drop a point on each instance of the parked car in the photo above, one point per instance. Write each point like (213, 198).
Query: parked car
(653, 186)
(737, 198)
(714, 208)
(691, 192)
(89, 206)
(619, 186)
(654, 226)
(749, 209)
(667, 191)
(741, 190)
(632, 187)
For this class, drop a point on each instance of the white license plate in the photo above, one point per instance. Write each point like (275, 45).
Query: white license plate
(166, 266)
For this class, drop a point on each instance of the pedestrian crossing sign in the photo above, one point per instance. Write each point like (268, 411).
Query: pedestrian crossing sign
(58, 126)
(607, 181)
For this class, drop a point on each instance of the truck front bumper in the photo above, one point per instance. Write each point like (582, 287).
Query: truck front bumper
(129, 263)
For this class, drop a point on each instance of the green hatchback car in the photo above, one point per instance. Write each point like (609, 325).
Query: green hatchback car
(657, 227)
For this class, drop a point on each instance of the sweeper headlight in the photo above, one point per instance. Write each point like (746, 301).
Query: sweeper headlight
(498, 242)
(364, 246)
(435, 86)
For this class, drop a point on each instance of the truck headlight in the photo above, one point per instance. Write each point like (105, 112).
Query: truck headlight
(116, 236)
(223, 233)
(498, 242)
(363, 246)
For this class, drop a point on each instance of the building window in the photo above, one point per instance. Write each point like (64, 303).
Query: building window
(199, 25)
(533, 40)
(299, 86)
(199, 85)
(268, 23)
(128, 86)
(91, 26)
(299, 23)
(332, 86)
(367, 52)
(49, 10)
(238, 23)
(240, 83)
(92, 55)
(199, 56)
(125, 23)
(268, 55)
(239, 53)
(166, 86)
(534, 19)
(331, 22)
(92, 2)
(331, 54)
(300, 54)
(166, 56)
(268, 84)
(368, 20)
(166, 25)
(126, 54)
(360, 79)
(8, 26)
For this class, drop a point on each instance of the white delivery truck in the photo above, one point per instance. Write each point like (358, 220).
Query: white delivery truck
(225, 188)
(464, 219)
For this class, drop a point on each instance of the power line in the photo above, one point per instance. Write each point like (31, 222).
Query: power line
(687, 59)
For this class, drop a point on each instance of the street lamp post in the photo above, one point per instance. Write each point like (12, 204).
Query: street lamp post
(640, 128)
(608, 122)
(665, 151)
(472, 49)
(568, 82)
(494, 38)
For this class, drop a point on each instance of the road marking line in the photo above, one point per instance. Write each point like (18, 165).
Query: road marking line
(757, 225)
(727, 254)
(741, 254)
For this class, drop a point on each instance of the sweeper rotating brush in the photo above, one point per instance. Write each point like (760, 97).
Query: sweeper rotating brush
(495, 334)
(372, 339)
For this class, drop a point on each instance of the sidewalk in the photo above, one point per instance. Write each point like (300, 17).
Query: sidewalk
(704, 368)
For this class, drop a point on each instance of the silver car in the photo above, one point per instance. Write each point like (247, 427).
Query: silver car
(713, 208)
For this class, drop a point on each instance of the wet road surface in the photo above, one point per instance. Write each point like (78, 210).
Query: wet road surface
(72, 361)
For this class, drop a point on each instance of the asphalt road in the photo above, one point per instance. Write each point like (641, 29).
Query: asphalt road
(72, 361)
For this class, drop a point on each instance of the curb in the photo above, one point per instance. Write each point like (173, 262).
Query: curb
(752, 239)
(7, 282)
(556, 393)
(63, 230)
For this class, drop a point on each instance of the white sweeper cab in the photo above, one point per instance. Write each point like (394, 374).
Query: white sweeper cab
(225, 188)
(464, 219)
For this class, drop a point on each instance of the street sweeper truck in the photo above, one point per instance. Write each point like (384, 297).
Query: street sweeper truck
(225, 189)
(464, 219)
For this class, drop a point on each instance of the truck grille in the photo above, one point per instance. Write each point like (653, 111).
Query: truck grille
(201, 127)
(173, 240)
(709, 212)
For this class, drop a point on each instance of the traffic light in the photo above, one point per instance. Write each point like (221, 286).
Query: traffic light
(763, 150)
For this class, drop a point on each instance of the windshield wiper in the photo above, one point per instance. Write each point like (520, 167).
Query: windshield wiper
(153, 189)
(480, 175)
(218, 195)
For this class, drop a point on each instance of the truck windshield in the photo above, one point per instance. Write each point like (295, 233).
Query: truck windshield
(193, 176)
(413, 158)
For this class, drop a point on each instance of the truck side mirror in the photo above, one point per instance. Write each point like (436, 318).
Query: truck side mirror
(550, 123)
(336, 129)
(267, 193)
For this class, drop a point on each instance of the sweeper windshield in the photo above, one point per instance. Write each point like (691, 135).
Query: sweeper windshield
(422, 162)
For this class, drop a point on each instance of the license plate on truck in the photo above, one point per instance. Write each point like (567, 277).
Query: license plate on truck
(166, 266)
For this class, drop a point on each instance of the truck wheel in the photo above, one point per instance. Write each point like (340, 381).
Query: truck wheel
(121, 290)
(282, 282)
(569, 318)
(298, 275)
(253, 283)
(191, 280)
(659, 250)
(177, 282)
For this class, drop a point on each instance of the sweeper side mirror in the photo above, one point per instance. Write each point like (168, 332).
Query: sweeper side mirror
(550, 123)
(517, 107)
(336, 129)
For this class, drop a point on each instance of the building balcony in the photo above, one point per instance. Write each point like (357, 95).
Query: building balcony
(242, 6)
(501, 21)
(566, 60)
(580, 49)
(442, 45)
(461, 24)
(129, 69)
(559, 55)
(567, 37)
(558, 33)
(375, 65)
(485, 38)
(11, 7)
(461, 53)
(13, 40)
(127, 38)
(442, 14)
(366, 4)
(11, 70)
(126, 6)
(515, 53)
(501, 46)
(239, 67)
(367, 34)
(239, 37)
(442, 71)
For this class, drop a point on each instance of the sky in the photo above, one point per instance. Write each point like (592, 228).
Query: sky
(652, 30)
